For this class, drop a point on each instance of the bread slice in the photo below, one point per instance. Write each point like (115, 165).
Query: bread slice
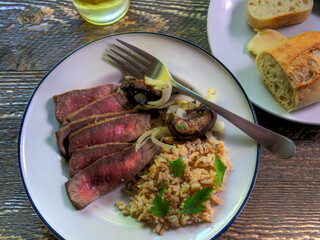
(291, 70)
(277, 13)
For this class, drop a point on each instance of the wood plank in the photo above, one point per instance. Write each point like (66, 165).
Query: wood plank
(37, 34)
(279, 211)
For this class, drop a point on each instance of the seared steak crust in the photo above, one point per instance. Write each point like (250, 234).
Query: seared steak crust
(83, 157)
(72, 100)
(107, 173)
(125, 128)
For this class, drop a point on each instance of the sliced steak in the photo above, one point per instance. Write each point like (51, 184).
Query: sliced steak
(83, 157)
(107, 173)
(115, 102)
(125, 128)
(63, 133)
(70, 101)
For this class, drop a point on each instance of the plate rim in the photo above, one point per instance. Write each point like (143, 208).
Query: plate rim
(20, 158)
(285, 117)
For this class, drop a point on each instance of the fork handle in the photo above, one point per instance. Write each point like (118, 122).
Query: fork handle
(279, 145)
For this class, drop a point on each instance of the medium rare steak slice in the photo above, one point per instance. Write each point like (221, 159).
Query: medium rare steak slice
(83, 157)
(125, 128)
(70, 101)
(107, 173)
(63, 132)
(115, 102)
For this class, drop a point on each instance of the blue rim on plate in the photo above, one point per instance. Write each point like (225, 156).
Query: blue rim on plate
(151, 33)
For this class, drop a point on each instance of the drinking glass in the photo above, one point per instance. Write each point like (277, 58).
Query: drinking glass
(102, 12)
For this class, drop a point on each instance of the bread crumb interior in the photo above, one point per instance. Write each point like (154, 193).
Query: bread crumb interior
(277, 82)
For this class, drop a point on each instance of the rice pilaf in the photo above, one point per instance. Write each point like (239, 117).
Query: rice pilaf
(200, 172)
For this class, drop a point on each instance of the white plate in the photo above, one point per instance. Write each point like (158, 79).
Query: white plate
(228, 35)
(44, 175)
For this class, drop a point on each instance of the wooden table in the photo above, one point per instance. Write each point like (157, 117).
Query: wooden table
(36, 34)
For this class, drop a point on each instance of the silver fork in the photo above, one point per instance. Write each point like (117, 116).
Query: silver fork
(140, 64)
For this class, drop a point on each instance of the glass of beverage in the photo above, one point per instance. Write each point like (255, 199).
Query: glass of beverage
(102, 12)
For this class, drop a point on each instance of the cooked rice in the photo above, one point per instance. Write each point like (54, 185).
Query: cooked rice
(200, 172)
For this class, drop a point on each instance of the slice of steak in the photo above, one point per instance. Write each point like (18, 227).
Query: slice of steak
(83, 157)
(72, 100)
(125, 128)
(115, 102)
(63, 133)
(107, 173)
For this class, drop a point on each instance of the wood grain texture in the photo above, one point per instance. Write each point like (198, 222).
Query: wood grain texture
(35, 35)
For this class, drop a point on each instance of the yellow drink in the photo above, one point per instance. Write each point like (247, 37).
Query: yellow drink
(102, 12)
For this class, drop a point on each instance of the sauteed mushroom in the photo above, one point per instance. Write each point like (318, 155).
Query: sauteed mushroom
(137, 92)
(199, 121)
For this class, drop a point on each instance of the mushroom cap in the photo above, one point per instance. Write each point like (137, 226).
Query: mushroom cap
(200, 121)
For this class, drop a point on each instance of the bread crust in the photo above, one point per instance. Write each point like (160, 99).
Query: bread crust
(308, 94)
(277, 21)
(299, 58)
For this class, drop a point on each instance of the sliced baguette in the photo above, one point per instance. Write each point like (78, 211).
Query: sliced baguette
(277, 13)
(291, 70)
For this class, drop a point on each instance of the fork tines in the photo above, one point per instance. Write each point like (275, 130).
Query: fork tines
(135, 61)
(137, 50)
